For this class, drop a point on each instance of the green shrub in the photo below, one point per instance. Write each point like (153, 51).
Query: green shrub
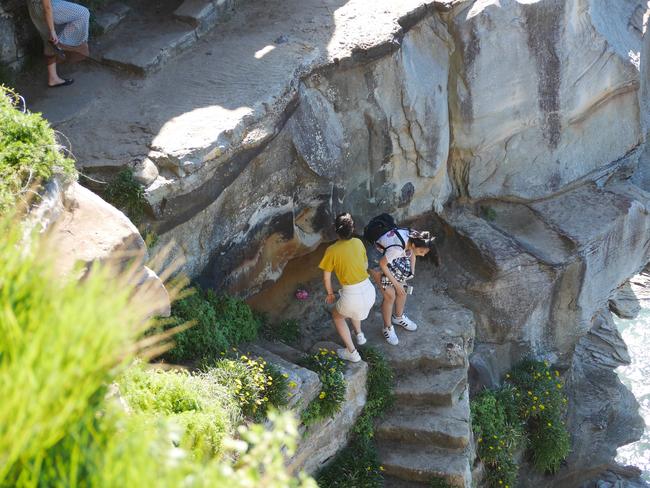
(330, 369)
(62, 343)
(255, 385)
(220, 322)
(287, 331)
(202, 409)
(126, 194)
(542, 405)
(526, 412)
(499, 434)
(358, 463)
(29, 152)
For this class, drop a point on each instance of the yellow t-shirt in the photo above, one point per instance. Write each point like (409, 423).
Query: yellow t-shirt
(347, 258)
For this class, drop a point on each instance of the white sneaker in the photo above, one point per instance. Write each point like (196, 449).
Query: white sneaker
(404, 322)
(348, 356)
(390, 336)
(361, 339)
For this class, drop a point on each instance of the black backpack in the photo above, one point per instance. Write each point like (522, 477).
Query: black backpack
(379, 226)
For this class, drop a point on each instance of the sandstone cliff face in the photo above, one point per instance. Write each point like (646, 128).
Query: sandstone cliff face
(534, 85)
(517, 126)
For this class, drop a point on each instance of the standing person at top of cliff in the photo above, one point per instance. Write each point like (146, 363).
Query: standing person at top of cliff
(400, 247)
(63, 26)
(347, 258)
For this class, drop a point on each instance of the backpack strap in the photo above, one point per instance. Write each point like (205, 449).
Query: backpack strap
(401, 239)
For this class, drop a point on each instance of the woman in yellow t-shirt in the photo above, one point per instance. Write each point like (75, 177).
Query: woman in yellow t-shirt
(347, 258)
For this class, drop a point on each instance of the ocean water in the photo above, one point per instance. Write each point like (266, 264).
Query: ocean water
(636, 333)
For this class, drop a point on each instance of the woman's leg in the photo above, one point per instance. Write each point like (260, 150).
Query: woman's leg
(53, 77)
(400, 301)
(387, 305)
(356, 325)
(343, 330)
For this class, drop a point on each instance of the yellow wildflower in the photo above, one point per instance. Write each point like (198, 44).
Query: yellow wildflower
(322, 395)
(381, 468)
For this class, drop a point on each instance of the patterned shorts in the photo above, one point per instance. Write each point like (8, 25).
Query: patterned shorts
(401, 270)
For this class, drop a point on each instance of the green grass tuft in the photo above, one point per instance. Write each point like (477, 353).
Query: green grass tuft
(29, 153)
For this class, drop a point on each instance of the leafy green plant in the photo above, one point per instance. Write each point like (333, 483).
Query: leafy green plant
(330, 369)
(255, 384)
(220, 322)
(126, 194)
(499, 434)
(542, 405)
(527, 411)
(203, 410)
(64, 342)
(358, 463)
(287, 331)
(29, 152)
(488, 213)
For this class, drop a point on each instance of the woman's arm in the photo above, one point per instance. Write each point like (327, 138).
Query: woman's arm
(412, 258)
(49, 19)
(399, 288)
(327, 281)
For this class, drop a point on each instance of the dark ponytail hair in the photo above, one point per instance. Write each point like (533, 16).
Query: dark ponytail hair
(344, 225)
(422, 239)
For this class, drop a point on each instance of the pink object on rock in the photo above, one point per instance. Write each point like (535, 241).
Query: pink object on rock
(302, 294)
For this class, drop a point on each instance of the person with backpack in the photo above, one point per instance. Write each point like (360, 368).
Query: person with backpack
(393, 254)
(348, 260)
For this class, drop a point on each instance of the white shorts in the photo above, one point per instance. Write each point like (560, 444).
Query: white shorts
(355, 301)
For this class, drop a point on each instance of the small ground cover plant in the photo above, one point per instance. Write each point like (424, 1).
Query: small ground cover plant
(29, 152)
(255, 385)
(526, 412)
(330, 370)
(287, 331)
(126, 194)
(202, 410)
(358, 463)
(220, 322)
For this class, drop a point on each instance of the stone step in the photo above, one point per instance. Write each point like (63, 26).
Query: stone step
(109, 16)
(444, 338)
(412, 462)
(430, 388)
(150, 48)
(204, 14)
(447, 427)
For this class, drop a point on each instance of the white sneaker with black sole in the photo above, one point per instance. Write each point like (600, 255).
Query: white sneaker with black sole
(390, 336)
(404, 322)
(343, 353)
(361, 339)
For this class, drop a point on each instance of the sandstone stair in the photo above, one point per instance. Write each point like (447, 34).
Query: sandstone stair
(427, 434)
(150, 36)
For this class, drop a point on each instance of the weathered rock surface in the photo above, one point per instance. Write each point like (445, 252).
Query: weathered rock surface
(534, 273)
(84, 230)
(534, 84)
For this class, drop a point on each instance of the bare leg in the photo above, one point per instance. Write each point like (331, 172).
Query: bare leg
(400, 301)
(52, 76)
(343, 330)
(356, 324)
(387, 305)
